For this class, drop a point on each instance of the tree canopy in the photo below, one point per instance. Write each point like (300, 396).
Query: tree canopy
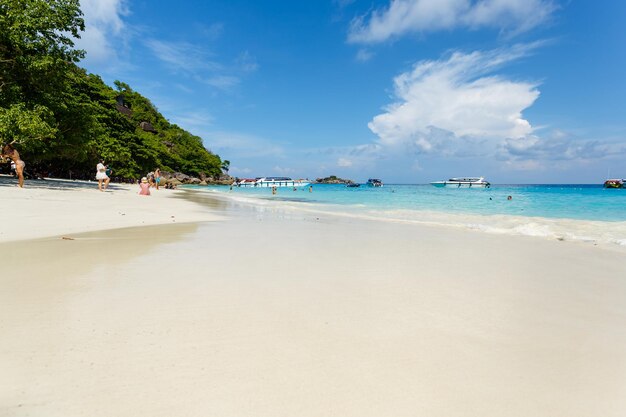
(63, 119)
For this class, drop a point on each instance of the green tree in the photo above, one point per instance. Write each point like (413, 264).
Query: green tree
(36, 52)
(64, 119)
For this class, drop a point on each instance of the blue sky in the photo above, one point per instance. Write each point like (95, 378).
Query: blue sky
(411, 91)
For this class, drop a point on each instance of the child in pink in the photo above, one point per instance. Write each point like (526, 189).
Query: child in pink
(144, 187)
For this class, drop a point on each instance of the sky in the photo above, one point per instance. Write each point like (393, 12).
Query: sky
(409, 91)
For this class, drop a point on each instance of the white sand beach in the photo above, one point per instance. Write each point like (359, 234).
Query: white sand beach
(53, 207)
(273, 312)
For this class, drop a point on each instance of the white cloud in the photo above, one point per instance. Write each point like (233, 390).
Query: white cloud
(199, 64)
(182, 56)
(457, 102)
(344, 162)
(560, 147)
(409, 16)
(104, 25)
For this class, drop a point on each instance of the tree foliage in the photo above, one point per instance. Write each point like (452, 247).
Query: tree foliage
(63, 119)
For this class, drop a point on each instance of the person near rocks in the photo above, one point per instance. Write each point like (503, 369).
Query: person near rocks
(10, 152)
(150, 177)
(157, 177)
(101, 175)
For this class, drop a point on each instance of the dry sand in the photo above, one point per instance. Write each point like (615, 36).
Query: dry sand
(49, 208)
(279, 313)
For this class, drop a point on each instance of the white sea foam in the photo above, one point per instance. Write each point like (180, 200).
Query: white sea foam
(595, 232)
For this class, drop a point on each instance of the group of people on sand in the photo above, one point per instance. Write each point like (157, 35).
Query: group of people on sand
(153, 180)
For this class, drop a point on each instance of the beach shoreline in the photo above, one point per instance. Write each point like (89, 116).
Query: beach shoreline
(308, 314)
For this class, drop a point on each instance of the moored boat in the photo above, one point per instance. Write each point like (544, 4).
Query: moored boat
(463, 182)
(614, 183)
(374, 182)
(272, 182)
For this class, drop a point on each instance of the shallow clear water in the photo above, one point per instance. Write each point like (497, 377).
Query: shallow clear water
(583, 202)
(586, 213)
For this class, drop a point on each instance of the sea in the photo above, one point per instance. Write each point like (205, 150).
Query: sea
(585, 213)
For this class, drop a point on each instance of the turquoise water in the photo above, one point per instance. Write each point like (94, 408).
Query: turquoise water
(587, 213)
(581, 202)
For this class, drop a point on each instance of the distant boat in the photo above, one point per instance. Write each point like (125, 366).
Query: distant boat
(464, 182)
(614, 183)
(374, 182)
(353, 185)
(271, 182)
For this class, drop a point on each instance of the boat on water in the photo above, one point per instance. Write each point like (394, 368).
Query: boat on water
(272, 182)
(374, 182)
(353, 185)
(614, 183)
(463, 182)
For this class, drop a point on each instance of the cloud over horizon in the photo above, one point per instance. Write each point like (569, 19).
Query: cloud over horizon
(457, 103)
(414, 16)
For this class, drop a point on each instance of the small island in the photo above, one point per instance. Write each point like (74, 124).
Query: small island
(333, 179)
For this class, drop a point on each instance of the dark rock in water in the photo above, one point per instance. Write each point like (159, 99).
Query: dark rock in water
(333, 179)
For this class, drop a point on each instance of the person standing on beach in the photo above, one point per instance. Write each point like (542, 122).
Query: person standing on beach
(10, 152)
(101, 175)
(157, 177)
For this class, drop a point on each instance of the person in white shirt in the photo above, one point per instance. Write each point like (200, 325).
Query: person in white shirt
(101, 176)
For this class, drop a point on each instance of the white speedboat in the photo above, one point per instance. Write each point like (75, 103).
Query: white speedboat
(374, 182)
(465, 182)
(271, 182)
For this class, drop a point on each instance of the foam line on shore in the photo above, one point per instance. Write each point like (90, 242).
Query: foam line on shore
(606, 234)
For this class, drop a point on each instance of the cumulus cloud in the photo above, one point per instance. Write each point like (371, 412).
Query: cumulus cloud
(408, 16)
(457, 102)
(104, 24)
(559, 147)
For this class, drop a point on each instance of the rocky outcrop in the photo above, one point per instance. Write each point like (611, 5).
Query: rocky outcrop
(333, 179)
(147, 127)
(178, 178)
